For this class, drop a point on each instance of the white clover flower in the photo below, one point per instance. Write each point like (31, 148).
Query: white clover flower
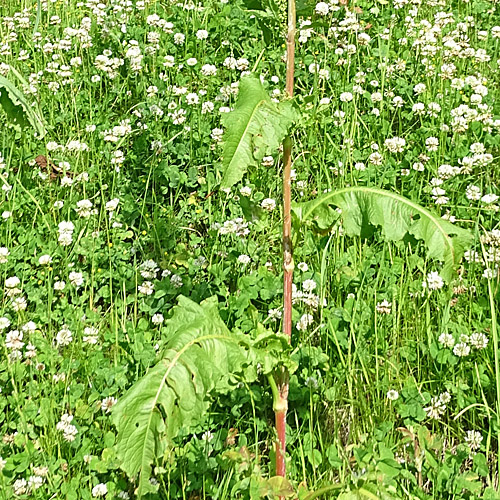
(176, 280)
(207, 107)
(59, 286)
(419, 88)
(179, 38)
(149, 269)
(246, 191)
(41, 471)
(461, 349)
(230, 62)
(322, 8)
(207, 436)
(152, 90)
(478, 340)
(67, 428)
(398, 102)
(30, 351)
(274, 314)
(418, 108)
(100, 490)
(302, 266)
(157, 319)
(200, 261)
(268, 204)
(304, 322)
(147, 288)
(53, 146)
(45, 260)
(112, 205)
(12, 282)
(384, 307)
(446, 340)
(432, 144)
(29, 327)
(66, 227)
(436, 408)
(488, 199)
(19, 304)
(309, 286)
(313, 68)
(64, 337)
(76, 279)
(488, 273)
(208, 70)
(35, 482)
(376, 158)
(445, 397)
(346, 97)
(192, 99)
(433, 281)
(217, 134)
(65, 239)
(90, 335)
(242, 64)
(395, 144)
(473, 439)
(244, 259)
(169, 61)
(473, 193)
(4, 323)
(20, 487)
(202, 34)
(4, 254)
(392, 395)
(14, 340)
(108, 403)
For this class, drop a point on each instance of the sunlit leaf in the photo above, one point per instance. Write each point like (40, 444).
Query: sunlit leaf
(365, 208)
(255, 128)
(200, 359)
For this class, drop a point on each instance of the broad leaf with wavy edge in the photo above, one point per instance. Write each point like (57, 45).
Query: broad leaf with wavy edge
(200, 358)
(255, 128)
(364, 208)
(19, 111)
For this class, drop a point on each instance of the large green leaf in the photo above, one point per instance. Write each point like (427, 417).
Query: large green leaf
(200, 359)
(19, 111)
(364, 208)
(255, 128)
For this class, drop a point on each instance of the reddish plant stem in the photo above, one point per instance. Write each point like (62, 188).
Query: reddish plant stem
(280, 422)
(281, 405)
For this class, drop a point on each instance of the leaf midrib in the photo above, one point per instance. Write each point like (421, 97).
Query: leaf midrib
(164, 378)
(240, 140)
(387, 194)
